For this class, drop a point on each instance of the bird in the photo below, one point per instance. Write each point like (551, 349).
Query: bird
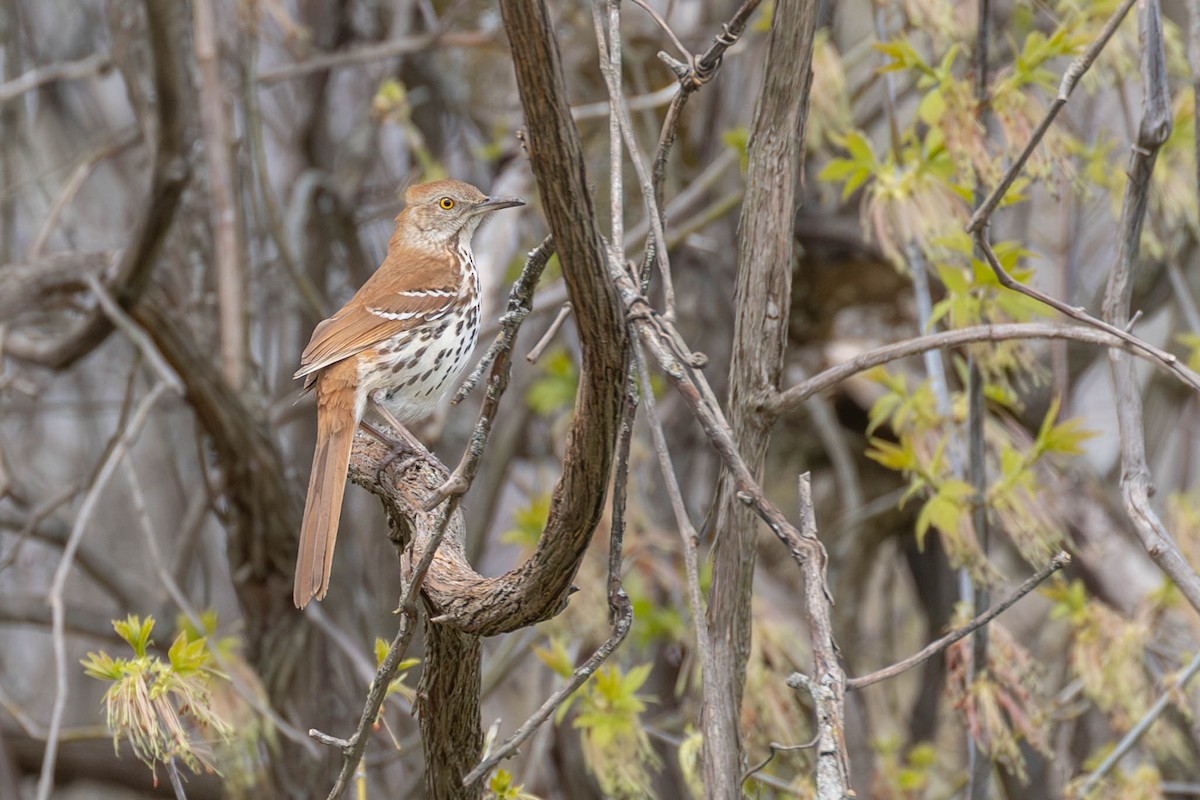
(397, 346)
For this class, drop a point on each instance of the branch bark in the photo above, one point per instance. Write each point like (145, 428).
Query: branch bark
(165, 23)
(462, 604)
(1153, 131)
(762, 299)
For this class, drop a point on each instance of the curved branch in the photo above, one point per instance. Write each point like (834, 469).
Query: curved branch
(792, 398)
(169, 175)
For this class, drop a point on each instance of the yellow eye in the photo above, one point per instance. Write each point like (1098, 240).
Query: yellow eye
(446, 203)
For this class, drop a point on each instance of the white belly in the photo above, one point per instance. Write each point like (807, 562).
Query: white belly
(420, 369)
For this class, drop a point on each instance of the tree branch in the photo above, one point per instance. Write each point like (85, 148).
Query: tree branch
(938, 645)
(792, 398)
(762, 300)
(169, 175)
(1153, 131)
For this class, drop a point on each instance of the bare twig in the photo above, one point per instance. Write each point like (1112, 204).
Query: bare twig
(375, 52)
(793, 397)
(933, 648)
(610, 69)
(124, 323)
(621, 627)
(1135, 474)
(117, 451)
(114, 146)
(979, 769)
(230, 280)
(774, 749)
(1168, 360)
(353, 748)
(1071, 77)
(662, 23)
(1135, 733)
(691, 79)
(87, 67)
(687, 534)
(555, 326)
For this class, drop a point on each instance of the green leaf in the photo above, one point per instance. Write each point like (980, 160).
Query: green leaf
(103, 666)
(556, 658)
(136, 632)
(528, 522)
(939, 512)
(904, 57)
(932, 107)
(892, 456)
(738, 140)
(554, 389)
(188, 656)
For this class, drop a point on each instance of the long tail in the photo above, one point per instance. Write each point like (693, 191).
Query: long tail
(326, 486)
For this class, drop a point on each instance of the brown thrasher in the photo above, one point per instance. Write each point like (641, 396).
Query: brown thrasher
(398, 345)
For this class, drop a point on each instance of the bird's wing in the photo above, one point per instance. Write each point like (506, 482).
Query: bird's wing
(361, 325)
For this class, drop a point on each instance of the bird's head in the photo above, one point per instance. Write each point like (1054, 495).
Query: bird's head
(439, 212)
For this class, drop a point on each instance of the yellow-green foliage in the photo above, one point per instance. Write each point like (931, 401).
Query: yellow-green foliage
(608, 715)
(553, 391)
(502, 787)
(162, 707)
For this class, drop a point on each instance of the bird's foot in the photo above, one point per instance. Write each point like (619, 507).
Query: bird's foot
(396, 452)
(456, 484)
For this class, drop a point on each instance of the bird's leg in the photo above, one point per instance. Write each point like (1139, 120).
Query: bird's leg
(456, 484)
(397, 449)
(413, 442)
(409, 444)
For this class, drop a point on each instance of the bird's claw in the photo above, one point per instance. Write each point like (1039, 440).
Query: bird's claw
(456, 484)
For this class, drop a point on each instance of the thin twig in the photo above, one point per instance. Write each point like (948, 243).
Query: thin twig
(353, 748)
(1137, 731)
(612, 80)
(687, 532)
(610, 65)
(662, 23)
(118, 451)
(1168, 360)
(938, 645)
(555, 326)
(620, 629)
(128, 138)
(223, 205)
(1136, 488)
(1071, 77)
(176, 780)
(702, 71)
(641, 102)
(792, 398)
(87, 67)
(774, 748)
(979, 769)
(133, 331)
(375, 52)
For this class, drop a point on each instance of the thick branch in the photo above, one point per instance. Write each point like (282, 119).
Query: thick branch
(557, 159)
(762, 298)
